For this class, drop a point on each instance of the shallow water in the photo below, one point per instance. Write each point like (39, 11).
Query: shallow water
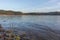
(38, 26)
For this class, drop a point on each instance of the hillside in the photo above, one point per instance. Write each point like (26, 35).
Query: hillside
(3, 12)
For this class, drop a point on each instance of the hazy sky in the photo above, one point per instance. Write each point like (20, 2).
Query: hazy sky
(30, 5)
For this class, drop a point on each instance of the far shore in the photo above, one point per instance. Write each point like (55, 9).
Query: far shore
(4, 12)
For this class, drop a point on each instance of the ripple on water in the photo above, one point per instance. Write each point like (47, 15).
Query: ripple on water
(36, 31)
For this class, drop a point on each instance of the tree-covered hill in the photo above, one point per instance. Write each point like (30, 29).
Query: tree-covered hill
(9, 12)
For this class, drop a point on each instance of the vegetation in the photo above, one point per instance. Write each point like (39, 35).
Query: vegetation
(3, 12)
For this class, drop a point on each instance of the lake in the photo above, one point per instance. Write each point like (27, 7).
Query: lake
(35, 27)
(52, 21)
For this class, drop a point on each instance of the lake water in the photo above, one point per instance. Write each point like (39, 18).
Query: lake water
(34, 26)
(48, 20)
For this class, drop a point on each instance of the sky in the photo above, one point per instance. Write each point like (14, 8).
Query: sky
(30, 5)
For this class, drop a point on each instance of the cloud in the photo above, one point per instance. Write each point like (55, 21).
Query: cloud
(48, 9)
(51, 2)
(58, 3)
(50, 5)
(44, 9)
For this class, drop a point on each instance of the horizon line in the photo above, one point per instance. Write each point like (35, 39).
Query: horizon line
(28, 11)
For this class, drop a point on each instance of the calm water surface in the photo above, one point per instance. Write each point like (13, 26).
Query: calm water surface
(49, 20)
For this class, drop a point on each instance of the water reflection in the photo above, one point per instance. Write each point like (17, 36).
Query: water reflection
(40, 27)
(45, 20)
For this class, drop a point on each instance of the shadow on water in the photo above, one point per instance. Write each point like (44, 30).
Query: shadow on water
(34, 31)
